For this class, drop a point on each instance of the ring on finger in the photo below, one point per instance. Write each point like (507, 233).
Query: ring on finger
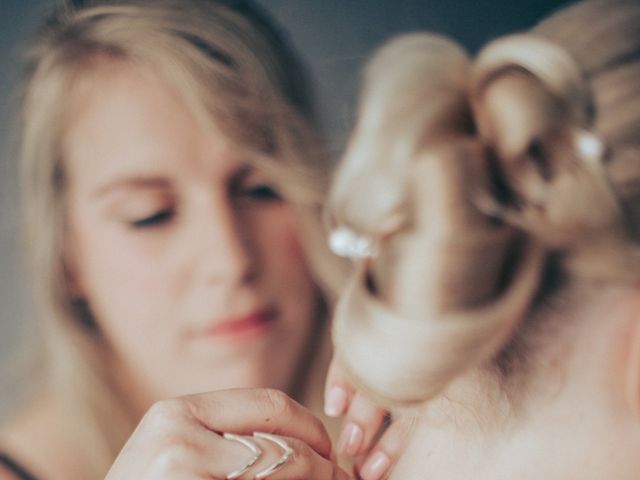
(257, 453)
(278, 464)
(252, 446)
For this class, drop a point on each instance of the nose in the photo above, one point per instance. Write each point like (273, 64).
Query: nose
(227, 253)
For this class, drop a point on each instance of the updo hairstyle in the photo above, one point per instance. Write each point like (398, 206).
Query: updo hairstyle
(486, 186)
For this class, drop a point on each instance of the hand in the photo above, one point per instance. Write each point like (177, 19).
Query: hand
(182, 439)
(368, 431)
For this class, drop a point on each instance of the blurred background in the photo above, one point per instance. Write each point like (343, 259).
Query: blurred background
(334, 37)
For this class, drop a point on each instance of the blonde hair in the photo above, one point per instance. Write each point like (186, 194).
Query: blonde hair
(478, 178)
(234, 71)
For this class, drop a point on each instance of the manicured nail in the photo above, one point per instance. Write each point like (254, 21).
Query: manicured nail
(335, 403)
(375, 466)
(350, 440)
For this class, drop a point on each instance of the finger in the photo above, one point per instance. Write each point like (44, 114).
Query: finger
(363, 422)
(338, 391)
(364, 418)
(200, 453)
(190, 449)
(304, 462)
(386, 452)
(244, 411)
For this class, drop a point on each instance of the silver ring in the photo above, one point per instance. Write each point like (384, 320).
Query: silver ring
(251, 445)
(278, 464)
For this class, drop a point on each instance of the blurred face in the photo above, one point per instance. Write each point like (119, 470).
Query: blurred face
(188, 258)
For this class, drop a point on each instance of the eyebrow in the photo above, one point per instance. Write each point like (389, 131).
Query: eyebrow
(160, 182)
(131, 182)
(240, 174)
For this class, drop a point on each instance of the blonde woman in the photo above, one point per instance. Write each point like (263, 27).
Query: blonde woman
(172, 180)
(497, 201)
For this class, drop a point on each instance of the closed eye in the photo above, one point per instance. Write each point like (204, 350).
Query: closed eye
(264, 193)
(154, 220)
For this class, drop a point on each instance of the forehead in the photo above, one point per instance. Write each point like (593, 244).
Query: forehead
(125, 118)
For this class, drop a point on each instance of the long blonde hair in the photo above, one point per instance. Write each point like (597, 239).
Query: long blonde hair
(234, 70)
(496, 182)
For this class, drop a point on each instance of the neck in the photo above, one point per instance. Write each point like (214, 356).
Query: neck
(570, 418)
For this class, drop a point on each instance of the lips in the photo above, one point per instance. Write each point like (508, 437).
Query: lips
(242, 327)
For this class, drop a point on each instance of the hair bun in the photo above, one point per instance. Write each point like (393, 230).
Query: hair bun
(450, 147)
(440, 302)
(414, 94)
(532, 109)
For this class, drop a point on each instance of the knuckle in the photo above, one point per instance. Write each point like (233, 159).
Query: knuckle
(166, 415)
(172, 459)
(277, 403)
(318, 427)
(316, 433)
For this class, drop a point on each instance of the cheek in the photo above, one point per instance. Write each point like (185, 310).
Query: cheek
(124, 281)
(283, 253)
(287, 270)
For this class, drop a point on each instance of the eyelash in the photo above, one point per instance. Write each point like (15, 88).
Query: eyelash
(259, 193)
(154, 220)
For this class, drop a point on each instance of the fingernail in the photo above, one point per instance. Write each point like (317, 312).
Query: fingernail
(350, 440)
(335, 402)
(375, 467)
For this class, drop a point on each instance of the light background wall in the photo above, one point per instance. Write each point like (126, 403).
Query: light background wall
(333, 36)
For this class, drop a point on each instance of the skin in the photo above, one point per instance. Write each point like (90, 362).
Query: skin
(579, 417)
(177, 439)
(371, 436)
(570, 411)
(172, 234)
